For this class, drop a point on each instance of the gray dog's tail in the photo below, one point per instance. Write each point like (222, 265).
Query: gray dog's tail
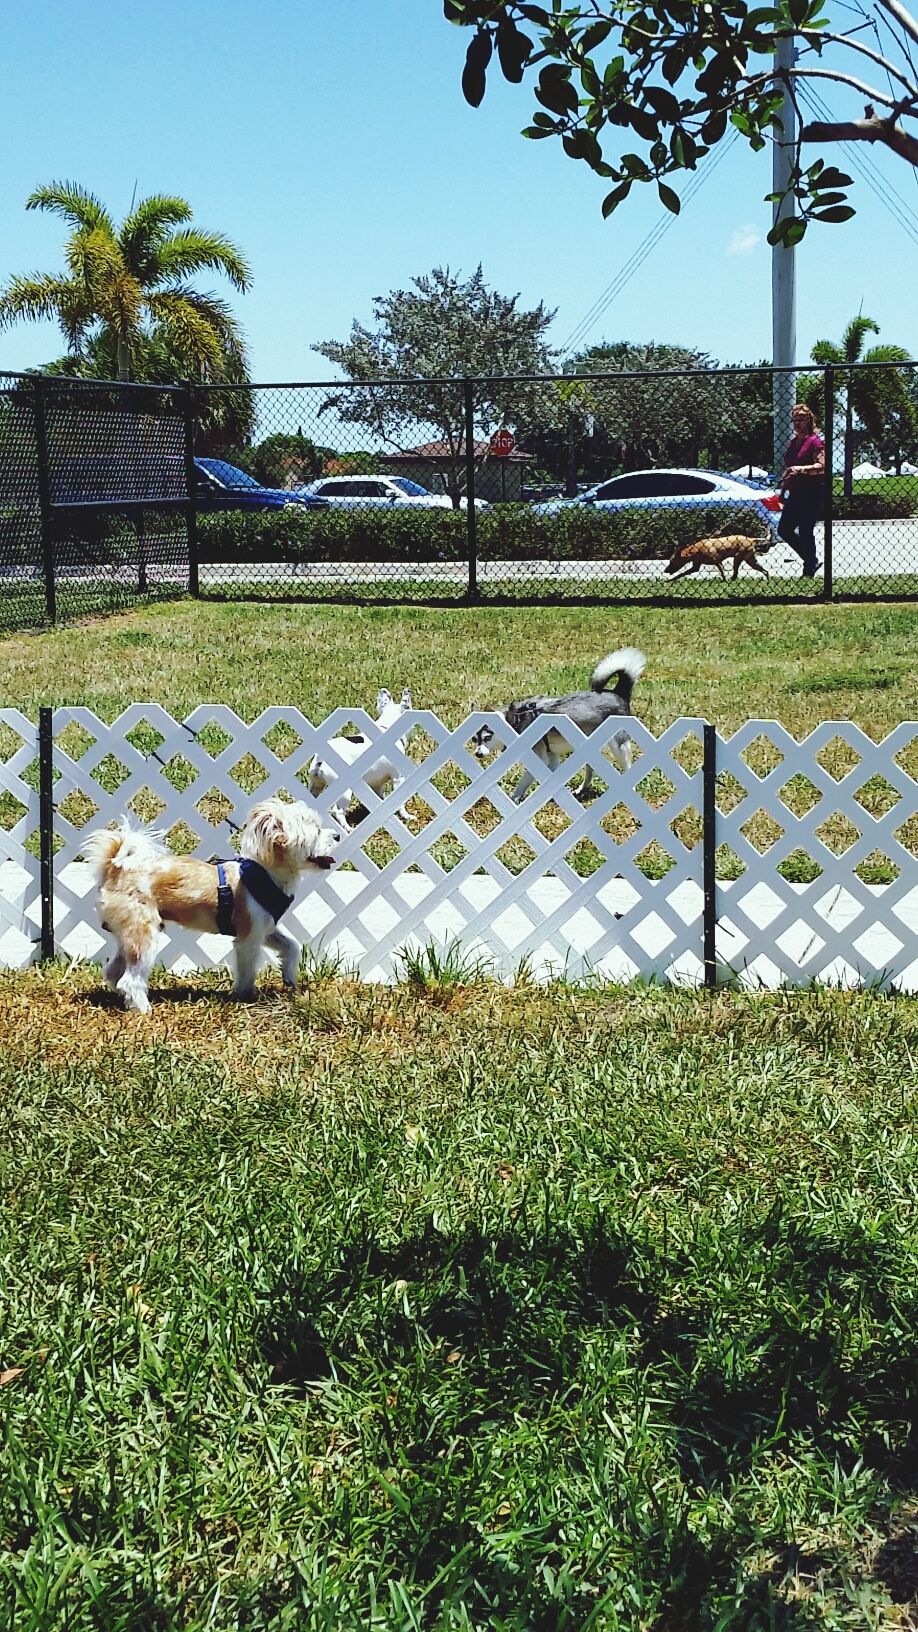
(627, 663)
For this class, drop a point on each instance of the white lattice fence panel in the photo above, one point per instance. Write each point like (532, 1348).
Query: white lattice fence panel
(555, 882)
(834, 803)
(612, 884)
(20, 891)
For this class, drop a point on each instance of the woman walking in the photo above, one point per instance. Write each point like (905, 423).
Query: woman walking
(803, 485)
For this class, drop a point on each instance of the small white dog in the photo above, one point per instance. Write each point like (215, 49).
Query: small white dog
(142, 885)
(379, 773)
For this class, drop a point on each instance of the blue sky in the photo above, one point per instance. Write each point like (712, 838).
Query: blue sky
(334, 146)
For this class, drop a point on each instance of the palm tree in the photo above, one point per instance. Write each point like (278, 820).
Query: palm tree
(870, 395)
(124, 304)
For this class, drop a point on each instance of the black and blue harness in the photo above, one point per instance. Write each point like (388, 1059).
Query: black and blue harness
(261, 888)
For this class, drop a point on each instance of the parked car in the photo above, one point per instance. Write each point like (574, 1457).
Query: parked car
(363, 492)
(674, 489)
(222, 486)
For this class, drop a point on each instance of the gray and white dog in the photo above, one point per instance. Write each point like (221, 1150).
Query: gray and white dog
(587, 709)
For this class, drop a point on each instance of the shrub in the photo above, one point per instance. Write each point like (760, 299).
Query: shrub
(504, 533)
(875, 506)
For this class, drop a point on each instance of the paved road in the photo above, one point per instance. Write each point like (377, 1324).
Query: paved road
(860, 549)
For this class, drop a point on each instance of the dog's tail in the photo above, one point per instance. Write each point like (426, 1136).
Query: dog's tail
(628, 663)
(122, 849)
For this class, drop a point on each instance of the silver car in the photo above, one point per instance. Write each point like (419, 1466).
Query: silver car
(674, 490)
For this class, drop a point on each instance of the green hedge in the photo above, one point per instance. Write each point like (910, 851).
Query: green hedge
(876, 506)
(504, 533)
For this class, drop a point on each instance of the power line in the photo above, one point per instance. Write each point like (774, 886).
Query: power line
(876, 181)
(639, 255)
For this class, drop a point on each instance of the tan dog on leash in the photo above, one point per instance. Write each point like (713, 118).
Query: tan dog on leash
(713, 552)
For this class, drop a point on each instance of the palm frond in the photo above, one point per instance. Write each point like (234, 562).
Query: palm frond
(147, 225)
(887, 354)
(62, 300)
(826, 351)
(854, 336)
(185, 253)
(188, 333)
(93, 257)
(76, 204)
(118, 300)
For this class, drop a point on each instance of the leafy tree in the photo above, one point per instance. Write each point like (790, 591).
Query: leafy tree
(283, 455)
(877, 401)
(125, 305)
(667, 78)
(425, 339)
(654, 405)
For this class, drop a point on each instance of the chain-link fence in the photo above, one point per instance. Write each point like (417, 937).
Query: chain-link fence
(610, 487)
(607, 487)
(94, 507)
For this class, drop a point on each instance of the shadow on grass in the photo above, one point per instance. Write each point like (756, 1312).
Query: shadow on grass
(785, 1336)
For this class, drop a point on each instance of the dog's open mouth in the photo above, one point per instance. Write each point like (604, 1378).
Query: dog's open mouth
(323, 861)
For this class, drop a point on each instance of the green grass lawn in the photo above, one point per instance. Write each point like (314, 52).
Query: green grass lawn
(798, 664)
(457, 1308)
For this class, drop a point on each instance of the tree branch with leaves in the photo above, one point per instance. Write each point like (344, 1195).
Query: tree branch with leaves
(640, 92)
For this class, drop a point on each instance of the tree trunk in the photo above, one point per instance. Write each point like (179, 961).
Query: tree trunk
(570, 479)
(124, 359)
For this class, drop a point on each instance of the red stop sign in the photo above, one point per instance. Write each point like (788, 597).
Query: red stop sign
(503, 443)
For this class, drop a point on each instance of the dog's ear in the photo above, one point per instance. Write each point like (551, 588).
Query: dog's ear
(264, 837)
(383, 699)
(406, 698)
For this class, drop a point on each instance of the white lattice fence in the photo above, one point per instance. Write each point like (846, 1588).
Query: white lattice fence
(613, 885)
(20, 890)
(844, 809)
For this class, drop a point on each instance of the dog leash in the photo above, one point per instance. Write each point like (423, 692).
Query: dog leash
(261, 888)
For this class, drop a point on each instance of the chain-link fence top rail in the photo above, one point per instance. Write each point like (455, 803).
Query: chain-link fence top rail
(612, 486)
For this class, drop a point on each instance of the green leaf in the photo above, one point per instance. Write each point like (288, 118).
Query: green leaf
(714, 126)
(473, 74)
(582, 144)
(613, 70)
(838, 212)
(613, 199)
(668, 197)
(634, 166)
(834, 178)
(664, 104)
(514, 49)
(594, 35)
(555, 90)
(535, 133)
(644, 123)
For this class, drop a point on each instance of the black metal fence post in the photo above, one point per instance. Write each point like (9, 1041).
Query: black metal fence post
(471, 520)
(709, 853)
(44, 498)
(46, 828)
(829, 421)
(191, 490)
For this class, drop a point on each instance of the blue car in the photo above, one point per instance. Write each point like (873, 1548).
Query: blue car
(222, 486)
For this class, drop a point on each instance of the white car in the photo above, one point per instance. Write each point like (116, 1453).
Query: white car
(363, 492)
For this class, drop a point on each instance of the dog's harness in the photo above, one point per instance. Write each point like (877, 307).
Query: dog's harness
(261, 887)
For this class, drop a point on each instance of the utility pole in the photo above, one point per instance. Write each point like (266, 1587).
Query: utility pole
(783, 269)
